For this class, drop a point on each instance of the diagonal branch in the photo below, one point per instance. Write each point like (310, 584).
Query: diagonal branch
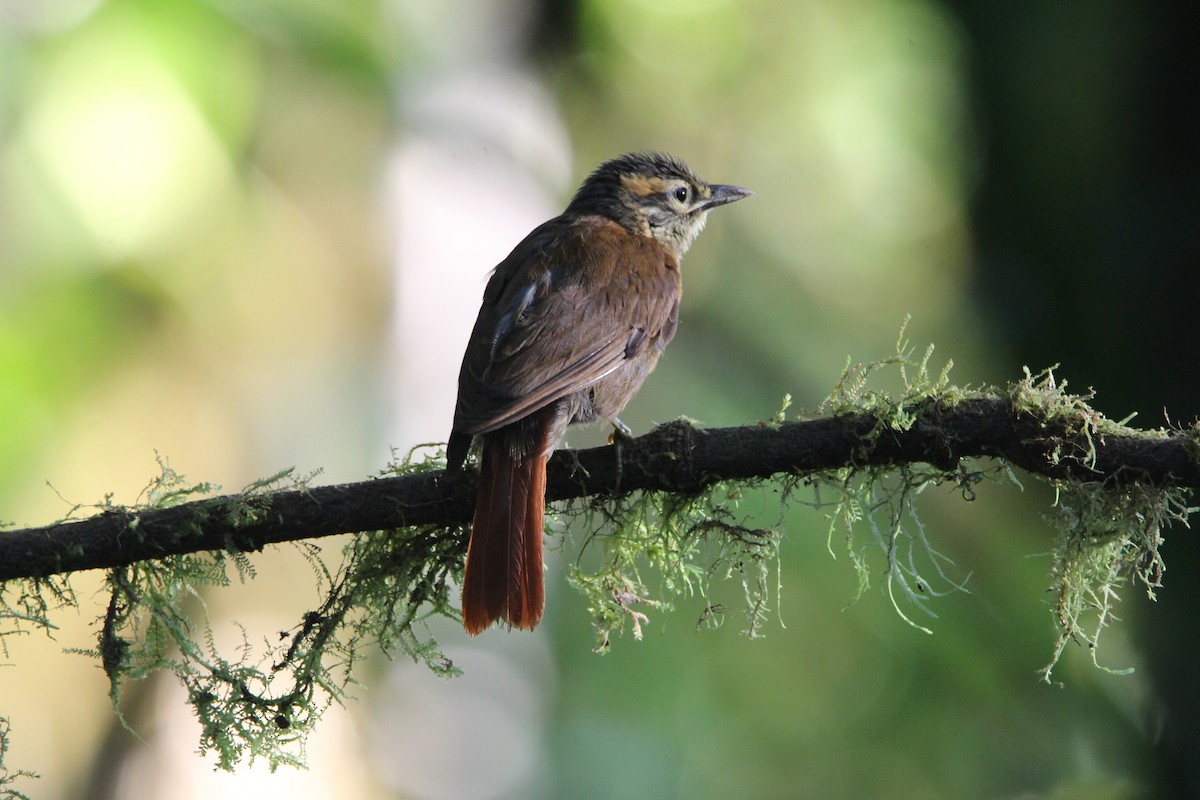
(676, 457)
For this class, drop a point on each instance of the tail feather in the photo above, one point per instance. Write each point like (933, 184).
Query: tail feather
(503, 579)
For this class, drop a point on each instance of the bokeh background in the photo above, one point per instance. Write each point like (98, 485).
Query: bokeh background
(248, 235)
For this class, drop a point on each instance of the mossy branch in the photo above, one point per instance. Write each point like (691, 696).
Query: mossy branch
(665, 501)
(675, 457)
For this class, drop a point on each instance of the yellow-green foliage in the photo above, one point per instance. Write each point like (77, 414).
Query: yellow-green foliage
(262, 700)
(1108, 534)
(640, 551)
(687, 541)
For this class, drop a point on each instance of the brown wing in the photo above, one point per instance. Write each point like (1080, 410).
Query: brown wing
(573, 302)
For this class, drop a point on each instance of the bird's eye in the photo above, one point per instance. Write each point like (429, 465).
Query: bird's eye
(681, 194)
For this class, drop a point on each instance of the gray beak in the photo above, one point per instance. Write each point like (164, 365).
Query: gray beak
(722, 194)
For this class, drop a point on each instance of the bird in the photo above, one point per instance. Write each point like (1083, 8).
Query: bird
(571, 323)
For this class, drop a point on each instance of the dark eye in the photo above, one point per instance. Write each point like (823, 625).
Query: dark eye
(681, 194)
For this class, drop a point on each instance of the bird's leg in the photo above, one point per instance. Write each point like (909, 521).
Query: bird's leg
(621, 433)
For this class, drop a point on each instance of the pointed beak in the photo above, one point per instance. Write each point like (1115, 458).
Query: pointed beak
(722, 194)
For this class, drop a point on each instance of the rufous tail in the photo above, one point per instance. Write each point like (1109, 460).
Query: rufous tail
(503, 579)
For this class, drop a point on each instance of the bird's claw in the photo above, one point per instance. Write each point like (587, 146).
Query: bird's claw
(620, 432)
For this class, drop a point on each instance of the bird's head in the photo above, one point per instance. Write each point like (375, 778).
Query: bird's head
(655, 195)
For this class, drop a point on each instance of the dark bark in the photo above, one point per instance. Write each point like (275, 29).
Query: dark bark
(675, 457)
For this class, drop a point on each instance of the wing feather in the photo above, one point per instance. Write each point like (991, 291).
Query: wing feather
(569, 306)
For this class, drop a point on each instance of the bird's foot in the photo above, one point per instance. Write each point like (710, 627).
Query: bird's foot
(620, 432)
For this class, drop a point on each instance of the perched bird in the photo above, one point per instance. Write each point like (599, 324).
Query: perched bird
(572, 322)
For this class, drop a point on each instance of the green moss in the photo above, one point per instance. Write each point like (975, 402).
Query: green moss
(1107, 537)
(685, 542)
(641, 552)
(261, 701)
(7, 778)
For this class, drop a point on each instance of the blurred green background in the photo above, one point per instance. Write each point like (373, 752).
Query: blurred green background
(252, 235)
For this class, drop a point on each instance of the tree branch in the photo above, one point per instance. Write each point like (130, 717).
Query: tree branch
(676, 457)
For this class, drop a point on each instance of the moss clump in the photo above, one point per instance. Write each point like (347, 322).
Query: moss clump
(1109, 534)
(1107, 537)
(262, 700)
(641, 551)
(688, 541)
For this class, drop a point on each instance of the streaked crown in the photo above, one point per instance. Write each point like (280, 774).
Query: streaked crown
(655, 195)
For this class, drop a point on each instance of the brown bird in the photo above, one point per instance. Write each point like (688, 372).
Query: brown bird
(572, 322)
